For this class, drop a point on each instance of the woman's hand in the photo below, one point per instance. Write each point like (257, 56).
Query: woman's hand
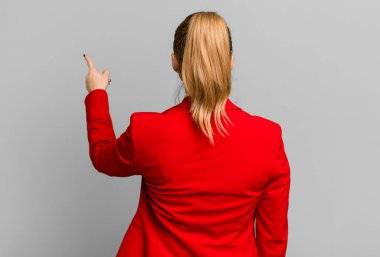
(96, 79)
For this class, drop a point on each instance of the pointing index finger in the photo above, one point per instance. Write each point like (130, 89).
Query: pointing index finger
(90, 64)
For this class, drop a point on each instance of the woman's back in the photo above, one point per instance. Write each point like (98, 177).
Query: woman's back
(200, 200)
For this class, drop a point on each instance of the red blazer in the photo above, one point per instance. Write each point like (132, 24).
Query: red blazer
(196, 199)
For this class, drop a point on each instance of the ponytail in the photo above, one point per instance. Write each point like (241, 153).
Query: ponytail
(204, 49)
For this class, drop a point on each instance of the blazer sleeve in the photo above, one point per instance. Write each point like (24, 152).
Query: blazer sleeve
(272, 207)
(111, 156)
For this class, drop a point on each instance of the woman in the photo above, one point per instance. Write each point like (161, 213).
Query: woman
(200, 191)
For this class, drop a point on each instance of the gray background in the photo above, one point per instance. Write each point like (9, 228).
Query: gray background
(312, 66)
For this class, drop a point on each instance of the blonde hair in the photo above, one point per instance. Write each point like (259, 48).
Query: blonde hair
(203, 47)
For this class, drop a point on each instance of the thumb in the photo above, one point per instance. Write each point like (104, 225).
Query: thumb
(106, 73)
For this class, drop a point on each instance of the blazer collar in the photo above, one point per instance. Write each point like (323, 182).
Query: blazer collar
(187, 104)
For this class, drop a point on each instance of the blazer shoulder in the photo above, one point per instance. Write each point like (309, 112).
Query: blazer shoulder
(267, 124)
(146, 120)
(269, 131)
(145, 116)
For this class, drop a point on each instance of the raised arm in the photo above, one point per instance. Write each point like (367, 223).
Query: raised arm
(111, 156)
